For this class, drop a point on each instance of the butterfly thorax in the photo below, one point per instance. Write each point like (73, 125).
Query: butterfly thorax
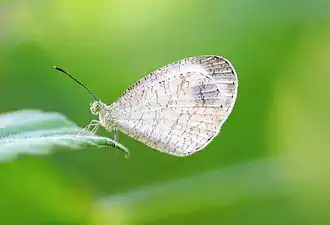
(105, 118)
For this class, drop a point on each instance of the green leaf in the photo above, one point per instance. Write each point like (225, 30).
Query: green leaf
(218, 188)
(35, 132)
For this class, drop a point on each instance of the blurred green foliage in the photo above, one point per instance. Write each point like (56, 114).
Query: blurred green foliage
(281, 52)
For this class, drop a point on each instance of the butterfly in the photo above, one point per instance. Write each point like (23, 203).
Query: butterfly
(177, 109)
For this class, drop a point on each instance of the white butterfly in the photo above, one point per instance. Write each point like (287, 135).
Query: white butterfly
(177, 109)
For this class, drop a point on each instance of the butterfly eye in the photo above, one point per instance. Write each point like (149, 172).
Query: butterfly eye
(95, 108)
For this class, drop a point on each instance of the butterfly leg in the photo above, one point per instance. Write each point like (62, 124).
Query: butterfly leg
(115, 138)
(94, 124)
(115, 134)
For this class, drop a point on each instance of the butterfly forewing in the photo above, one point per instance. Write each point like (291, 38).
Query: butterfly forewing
(179, 108)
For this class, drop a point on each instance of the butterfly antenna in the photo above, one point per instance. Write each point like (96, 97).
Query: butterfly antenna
(77, 81)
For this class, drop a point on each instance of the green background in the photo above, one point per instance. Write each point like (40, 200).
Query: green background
(269, 165)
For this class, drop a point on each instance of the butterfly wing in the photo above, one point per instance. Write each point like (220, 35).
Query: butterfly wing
(179, 108)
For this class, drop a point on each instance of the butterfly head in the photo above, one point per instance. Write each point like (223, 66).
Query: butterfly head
(96, 107)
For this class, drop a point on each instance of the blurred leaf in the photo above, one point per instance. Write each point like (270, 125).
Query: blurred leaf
(220, 188)
(36, 132)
